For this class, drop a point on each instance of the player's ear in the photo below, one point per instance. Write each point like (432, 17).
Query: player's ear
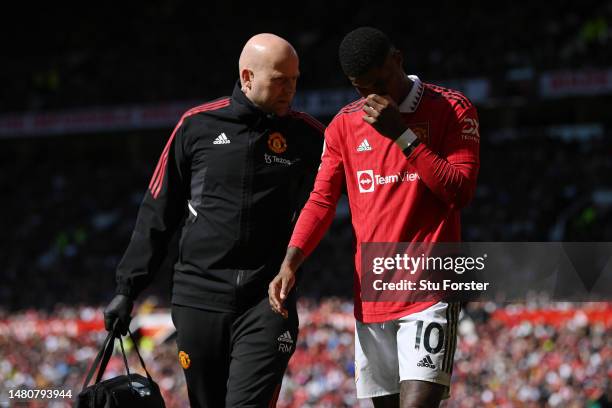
(246, 79)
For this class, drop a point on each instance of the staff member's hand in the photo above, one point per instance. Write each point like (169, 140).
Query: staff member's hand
(383, 114)
(280, 287)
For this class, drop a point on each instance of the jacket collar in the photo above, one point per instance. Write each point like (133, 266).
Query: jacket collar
(411, 102)
(248, 112)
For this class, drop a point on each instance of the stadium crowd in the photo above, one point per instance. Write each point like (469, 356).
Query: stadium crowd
(527, 363)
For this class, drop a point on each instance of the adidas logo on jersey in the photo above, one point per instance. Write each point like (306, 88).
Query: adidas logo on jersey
(364, 146)
(221, 139)
(285, 338)
(426, 362)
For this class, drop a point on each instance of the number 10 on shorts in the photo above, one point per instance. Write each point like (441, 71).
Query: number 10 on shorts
(426, 338)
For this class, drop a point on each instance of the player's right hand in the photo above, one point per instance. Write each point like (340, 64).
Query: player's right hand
(118, 312)
(279, 288)
(383, 114)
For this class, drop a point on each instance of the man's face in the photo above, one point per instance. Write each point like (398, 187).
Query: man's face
(273, 85)
(380, 80)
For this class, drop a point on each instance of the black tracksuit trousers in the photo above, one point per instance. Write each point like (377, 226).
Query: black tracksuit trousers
(235, 359)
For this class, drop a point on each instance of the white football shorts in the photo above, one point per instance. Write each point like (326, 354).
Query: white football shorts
(420, 346)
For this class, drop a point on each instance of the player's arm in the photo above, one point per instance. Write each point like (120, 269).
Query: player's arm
(314, 220)
(450, 175)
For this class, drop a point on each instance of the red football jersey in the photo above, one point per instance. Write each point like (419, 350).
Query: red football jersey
(394, 197)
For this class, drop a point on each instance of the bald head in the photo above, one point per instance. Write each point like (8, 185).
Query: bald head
(263, 49)
(269, 68)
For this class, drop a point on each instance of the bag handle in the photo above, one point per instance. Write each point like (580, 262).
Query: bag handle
(105, 354)
(92, 369)
(127, 367)
(139, 356)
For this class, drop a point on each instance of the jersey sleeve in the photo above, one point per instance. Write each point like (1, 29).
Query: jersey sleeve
(159, 215)
(452, 174)
(319, 211)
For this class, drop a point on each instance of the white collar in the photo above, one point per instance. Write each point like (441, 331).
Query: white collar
(411, 102)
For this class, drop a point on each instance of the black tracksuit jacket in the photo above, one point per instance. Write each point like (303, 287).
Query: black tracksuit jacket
(234, 178)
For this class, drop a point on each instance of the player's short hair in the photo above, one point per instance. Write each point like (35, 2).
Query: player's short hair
(363, 49)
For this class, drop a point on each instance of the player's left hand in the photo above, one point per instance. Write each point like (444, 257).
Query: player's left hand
(280, 287)
(383, 114)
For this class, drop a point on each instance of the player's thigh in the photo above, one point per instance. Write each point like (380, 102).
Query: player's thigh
(263, 343)
(376, 364)
(426, 346)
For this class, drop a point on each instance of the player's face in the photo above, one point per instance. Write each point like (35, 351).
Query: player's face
(274, 85)
(381, 80)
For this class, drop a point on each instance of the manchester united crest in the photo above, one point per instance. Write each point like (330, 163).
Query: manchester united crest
(184, 359)
(421, 130)
(277, 143)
